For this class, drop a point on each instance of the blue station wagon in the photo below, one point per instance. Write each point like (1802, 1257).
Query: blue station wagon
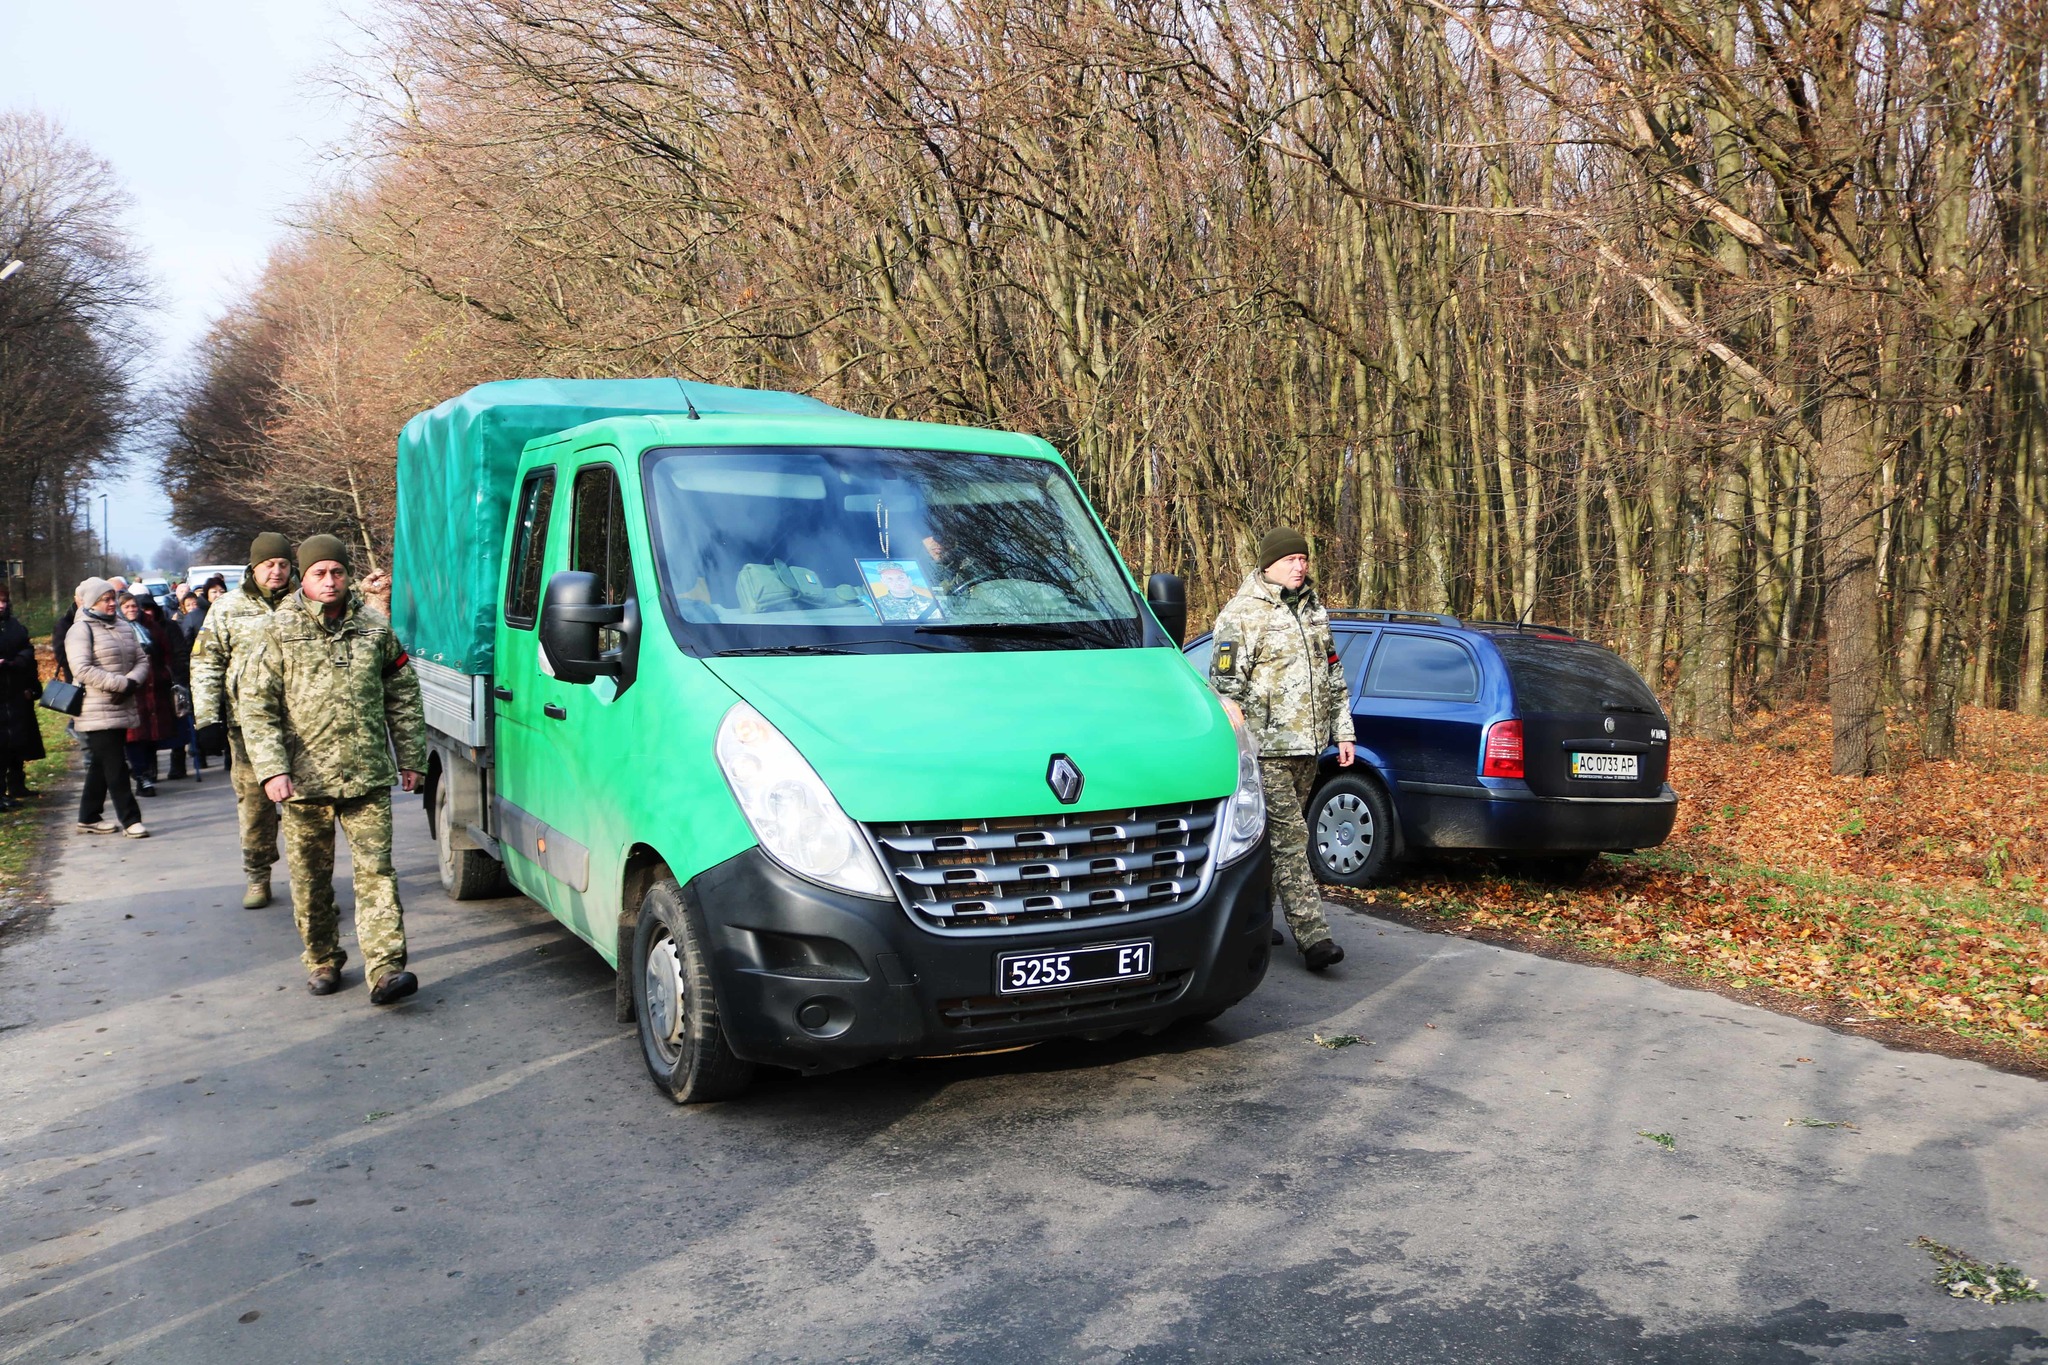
(1519, 739)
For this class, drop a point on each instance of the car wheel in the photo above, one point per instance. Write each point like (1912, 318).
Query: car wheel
(675, 1004)
(1350, 832)
(467, 874)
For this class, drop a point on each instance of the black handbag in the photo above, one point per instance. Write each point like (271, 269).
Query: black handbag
(62, 697)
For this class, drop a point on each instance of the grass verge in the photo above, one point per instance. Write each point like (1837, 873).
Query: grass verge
(23, 831)
(1919, 898)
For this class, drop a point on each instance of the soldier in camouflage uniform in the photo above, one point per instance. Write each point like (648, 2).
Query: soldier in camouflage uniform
(328, 699)
(1273, 661)
(220, 657)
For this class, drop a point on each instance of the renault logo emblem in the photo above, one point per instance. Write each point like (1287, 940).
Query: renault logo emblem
(1610, 725)
(1064, 778)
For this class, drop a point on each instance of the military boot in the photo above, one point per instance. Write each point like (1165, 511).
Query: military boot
(258, 894)
(392, 987)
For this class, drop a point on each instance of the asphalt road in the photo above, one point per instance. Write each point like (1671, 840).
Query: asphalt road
(200, 1162)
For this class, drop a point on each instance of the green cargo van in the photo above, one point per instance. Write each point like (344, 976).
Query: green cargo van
(840, 738)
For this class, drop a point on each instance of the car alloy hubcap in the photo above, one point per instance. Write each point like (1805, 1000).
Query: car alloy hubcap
(1344, 833)
(663, 984)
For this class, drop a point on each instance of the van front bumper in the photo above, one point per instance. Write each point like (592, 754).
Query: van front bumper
(1442, 815)
(817, 979)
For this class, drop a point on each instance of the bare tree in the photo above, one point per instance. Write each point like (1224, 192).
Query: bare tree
(1712, 330)
(70, 339)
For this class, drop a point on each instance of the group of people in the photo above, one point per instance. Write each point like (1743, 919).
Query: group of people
(296, 679)
(156, 711)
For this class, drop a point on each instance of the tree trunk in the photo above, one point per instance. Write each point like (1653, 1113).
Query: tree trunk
(1843, 476)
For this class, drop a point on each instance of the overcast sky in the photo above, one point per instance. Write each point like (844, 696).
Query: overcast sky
(213, 116)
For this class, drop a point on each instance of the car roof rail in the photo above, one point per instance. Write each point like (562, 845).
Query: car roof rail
(1531, 626)
(1435, 618)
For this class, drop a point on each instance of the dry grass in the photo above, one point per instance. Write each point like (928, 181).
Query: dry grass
(21, 830)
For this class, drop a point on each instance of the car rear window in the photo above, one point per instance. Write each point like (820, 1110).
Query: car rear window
(1422, 666)
(1556, 675)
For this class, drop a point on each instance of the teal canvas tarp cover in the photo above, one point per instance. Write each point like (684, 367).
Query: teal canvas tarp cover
(456, 463)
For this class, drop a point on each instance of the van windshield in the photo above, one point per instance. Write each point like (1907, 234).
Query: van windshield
(767, 548)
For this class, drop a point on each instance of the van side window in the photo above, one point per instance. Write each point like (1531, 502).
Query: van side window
(1422, 666)
(598, 544)
(529, 546)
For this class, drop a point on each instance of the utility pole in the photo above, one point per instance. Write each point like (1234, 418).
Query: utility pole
(103, 535)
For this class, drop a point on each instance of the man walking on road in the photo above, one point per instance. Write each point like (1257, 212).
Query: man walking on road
(1275, 665)
(220, 658)
(329, 696)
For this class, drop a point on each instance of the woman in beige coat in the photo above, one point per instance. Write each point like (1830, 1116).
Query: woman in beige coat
(107, 661)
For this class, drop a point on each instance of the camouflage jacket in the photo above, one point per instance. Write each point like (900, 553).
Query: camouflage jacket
(220, 651)
(1275, 658)
(329, 702)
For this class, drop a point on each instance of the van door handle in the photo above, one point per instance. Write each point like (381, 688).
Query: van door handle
(501, 693)
(554, 712)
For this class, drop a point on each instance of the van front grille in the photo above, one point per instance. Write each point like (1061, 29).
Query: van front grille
(1090, 867)
(1081, 1005)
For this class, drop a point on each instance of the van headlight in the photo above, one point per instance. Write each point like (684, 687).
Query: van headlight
(793, 813)
(1244, 817)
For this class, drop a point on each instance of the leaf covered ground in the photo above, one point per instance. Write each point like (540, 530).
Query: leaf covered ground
(1920, 896)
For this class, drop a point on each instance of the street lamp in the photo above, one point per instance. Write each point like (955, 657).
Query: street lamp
(7, 271)
(103, 535)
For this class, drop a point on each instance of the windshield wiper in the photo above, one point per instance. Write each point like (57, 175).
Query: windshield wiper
(1028, 630)
(1627, 706)
(836, 647)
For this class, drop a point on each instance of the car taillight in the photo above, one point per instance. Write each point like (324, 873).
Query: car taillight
(1503, 750)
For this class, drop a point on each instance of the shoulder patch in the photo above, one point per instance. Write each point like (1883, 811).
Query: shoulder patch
(1226, 657)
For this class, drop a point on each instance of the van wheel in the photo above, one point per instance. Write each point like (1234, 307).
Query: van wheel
(675, 1004)
(1350, 832)
(467, 874)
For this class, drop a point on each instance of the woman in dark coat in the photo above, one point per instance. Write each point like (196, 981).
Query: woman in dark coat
(21, 739)
(178, 647)
(191, 616)
(156, 713)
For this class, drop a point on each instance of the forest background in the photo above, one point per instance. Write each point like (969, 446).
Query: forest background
(1710, 328)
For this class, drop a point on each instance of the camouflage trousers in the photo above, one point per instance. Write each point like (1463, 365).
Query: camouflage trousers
(1288, 783)
(255, 813)
(309, 853)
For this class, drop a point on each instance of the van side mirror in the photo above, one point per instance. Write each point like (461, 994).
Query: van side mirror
(573, 613)
(1167, 595)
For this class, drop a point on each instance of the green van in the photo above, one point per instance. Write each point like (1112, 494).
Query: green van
(840, 738)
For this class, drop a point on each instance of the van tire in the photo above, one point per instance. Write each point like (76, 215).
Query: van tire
(467, 874)
(675, 1005)
(1350, 832)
